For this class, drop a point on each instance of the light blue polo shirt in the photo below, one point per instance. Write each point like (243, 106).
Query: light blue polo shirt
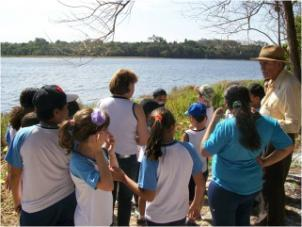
(233, 166)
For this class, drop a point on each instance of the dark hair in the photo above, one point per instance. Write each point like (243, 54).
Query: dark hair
(149, 105)
(26, 98)
(159, 92)
(238, 100)
(73, 107)
(161, 120)
(257, 90)
(29, 119)
(47, 99)
(80, 128)
(46, 114)
(119, 84)
(199, 118)
(15, 117)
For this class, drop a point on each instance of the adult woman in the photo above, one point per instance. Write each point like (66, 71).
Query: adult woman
(236, 144)
(129, 128)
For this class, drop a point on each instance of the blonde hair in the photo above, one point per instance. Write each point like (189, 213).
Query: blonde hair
(121, 80)
(79, 128)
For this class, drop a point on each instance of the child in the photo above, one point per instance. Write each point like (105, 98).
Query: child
(165, 174)
(197, 113)
(160, 96)
(38, 160)
(256, 95)
(148, 106)
(84, 135)
(29, 120)
(205, 96)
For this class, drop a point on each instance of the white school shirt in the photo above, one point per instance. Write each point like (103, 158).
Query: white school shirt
(195, 137)
(123, 123)
(44, 164)
(169, 176)
(94, 206)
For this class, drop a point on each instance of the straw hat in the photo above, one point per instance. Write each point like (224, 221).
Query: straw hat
(271, 53)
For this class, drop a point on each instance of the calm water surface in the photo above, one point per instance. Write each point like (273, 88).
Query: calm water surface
(89, 78)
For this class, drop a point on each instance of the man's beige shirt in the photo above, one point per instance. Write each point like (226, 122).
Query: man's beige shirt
(283, 101)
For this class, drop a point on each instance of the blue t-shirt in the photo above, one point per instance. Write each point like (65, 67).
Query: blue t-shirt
(235, 167)
(84, 168)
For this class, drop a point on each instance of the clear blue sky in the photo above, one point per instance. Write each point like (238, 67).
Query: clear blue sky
(24, 20)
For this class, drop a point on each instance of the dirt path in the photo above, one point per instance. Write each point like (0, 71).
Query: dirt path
(293, 199)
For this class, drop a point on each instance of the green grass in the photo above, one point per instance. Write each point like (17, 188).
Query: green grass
(178, 102)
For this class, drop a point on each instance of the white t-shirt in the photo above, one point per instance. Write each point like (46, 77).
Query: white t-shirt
(94, 206)
(123, 123)
(210, 112)
(169, 176)
(195, 137)
(44, 164)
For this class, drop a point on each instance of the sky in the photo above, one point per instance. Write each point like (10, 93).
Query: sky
(24, 20)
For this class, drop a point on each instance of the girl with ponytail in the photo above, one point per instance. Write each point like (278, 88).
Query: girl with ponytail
(236, 145)
(165, 173)
(86, 136)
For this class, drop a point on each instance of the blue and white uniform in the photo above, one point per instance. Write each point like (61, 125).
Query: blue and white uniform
(169, 176)
(44, 164)
(94, 206)
(195, 137)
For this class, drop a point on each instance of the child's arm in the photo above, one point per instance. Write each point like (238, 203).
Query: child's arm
(106, 182)
(142, 129)
(195, 206)
(110, 148)
(15, 187)
(145, 194)
(185, 137)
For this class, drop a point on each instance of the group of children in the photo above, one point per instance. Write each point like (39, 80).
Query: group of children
(63, 167)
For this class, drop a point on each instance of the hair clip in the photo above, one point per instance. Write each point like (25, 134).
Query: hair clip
(237, 104)
(71, 122)
(158, 117)
(98, 117)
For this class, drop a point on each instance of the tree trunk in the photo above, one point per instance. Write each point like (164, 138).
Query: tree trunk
(292, 38)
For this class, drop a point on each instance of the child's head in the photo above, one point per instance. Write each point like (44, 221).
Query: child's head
(50, 103)
(205, 94)
(160, 96)
(26, 98)
(256, 95)
(148, 106)
(15, 117)
(85, 123)
(29, 119)
(162, 129)
(72, 105)
(197, 113)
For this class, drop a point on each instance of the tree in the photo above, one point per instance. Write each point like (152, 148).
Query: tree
(273, 19)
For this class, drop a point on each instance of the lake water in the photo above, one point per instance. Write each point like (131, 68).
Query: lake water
(89, 78)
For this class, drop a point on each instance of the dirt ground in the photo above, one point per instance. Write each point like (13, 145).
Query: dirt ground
(293, 200)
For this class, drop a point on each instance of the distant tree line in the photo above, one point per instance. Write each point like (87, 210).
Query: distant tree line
(154, 47)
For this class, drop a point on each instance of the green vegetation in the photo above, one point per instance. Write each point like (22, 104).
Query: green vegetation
(178, 102)
(155, 47)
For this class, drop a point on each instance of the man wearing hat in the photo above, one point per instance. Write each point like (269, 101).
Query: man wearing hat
(282, 102)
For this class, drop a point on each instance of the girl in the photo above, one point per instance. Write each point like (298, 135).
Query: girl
(84, 135)
(236, 144)
(165, 174)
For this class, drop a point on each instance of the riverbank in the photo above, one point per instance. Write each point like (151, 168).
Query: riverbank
(178, 101)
